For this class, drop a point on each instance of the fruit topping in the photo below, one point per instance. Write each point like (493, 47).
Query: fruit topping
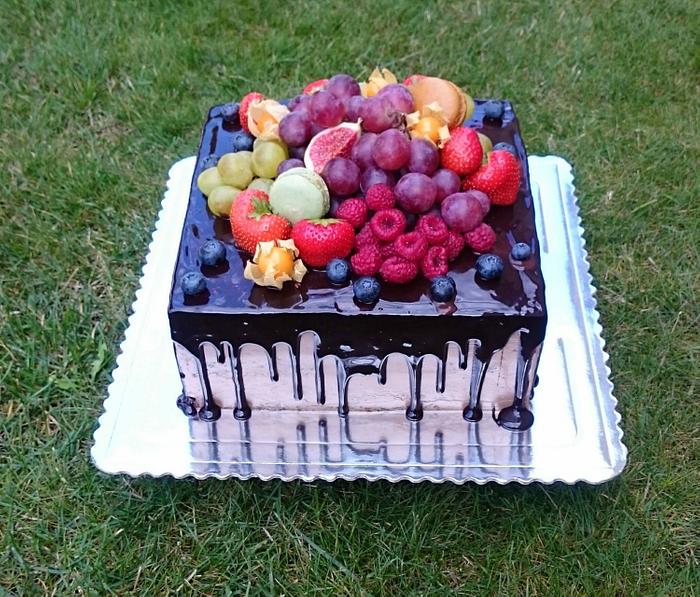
(299, 194)
(415, 193)
(398, 96)
(433, 229)
(482, 238)
(342, 176)
(411, 246)
(397, 270)
(331, 143)
(353, 211)
(489, 266)
(377, 80)
(320, 240)
(391, 150)
(193, 283)
(520, 251)
(456, 105)
(212, 252)
(274, 263)
(367, 261)
(503, 146)
(443, 289)
(378, 114)
(264, 184)
(366, 290)
(373, 176)
(314, 87)
(461, 212)
(253, 222)
(380, 196)
(235, 169)
(493, 109)
(229, 112)
(361, 152)
(388, 224)
(353, 106)
(267, 156)
(462, 152)
(454, 244)
(447, 182)
(434, 263)
(208, 180)
(499, 178)
(486, 145)
(338, 271)
(243, 141)
(248, 99)
(220, 200)
(365, 237)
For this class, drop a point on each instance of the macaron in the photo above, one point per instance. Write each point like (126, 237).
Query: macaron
(457, 106)
(299, 194)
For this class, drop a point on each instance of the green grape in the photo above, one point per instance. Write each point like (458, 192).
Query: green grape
(267, 155)
(234, 169)
(220, 199)
(208, 180)
(263, 184)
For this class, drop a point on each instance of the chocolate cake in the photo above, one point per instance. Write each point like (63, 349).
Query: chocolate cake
(494, 327)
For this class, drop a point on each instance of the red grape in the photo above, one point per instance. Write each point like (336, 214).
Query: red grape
(289, 164)
(374, 175)
(447, 182)
(342, 176)
(378, 114)
(295, 129)
(325, 109)
(461, 212)
(398, 96)
(352, 108)
(362, 151)
(424, 157)
(415, 193)
(343, 86)
(391, 150)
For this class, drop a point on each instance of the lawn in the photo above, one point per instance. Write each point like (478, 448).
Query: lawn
(99, 98)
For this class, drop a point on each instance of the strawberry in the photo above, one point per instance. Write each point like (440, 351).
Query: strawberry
(462, 153)
(321, 240)
(499, 178)
(312, 88)
(248, 99)
(252, 221)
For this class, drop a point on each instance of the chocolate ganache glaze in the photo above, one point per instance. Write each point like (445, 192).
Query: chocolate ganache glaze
(234, 311)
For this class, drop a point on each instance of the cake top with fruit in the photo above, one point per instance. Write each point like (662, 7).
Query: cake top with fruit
(379, 197)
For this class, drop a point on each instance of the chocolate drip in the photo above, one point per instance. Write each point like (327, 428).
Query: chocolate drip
(210, 411)
(517, 417)
(480, 364)
(241, 411)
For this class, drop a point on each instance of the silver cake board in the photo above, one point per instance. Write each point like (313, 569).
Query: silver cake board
(576, 435)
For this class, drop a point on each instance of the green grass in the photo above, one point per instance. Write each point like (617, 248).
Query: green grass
(97, 99)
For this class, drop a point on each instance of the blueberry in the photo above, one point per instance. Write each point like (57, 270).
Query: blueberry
(505, 147)
(443, 289)
(520, 251)
(193, 283)
(366, 289)
(212, 252)
(229, 112)
(285, 102)
(489, 266)
(493, 109)
(242, 141)
(338, 271)
(210, 161)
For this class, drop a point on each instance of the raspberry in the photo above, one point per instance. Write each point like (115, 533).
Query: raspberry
(353, 211)
(433, 228)
(387, 224)
(248, 99)
(365, 237)
(412, 246)
(366, 261)
(434, 263)
(481, 239)
(387, 250)
(454, 245)
(380, 196)
(398, 271)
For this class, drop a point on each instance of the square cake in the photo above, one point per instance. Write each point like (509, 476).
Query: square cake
(311, 336)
